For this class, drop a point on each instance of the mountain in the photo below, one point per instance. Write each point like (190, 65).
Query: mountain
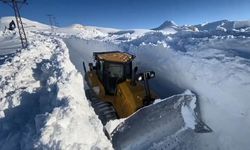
(168, 26)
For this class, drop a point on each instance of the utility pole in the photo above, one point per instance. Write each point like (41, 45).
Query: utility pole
(52, 22)
(55, 22)
(15, 5)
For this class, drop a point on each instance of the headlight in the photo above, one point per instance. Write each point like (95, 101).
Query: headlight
(152, 74)
(140, 78)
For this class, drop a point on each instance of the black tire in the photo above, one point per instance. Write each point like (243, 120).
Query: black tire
(104, 110)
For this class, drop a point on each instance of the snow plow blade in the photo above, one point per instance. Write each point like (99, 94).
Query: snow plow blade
(172, 123)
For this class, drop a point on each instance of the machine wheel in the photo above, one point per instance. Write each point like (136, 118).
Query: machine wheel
(104, 110)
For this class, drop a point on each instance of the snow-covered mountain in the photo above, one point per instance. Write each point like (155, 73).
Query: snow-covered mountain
(28, 24)
(222, 25)
(168, 26)
(42, 99)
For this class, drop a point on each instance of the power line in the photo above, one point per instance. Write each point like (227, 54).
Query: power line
(52, 22)
(16, 4)
(55, 21)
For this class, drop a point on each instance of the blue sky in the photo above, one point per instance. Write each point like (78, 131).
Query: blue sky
(132, 13)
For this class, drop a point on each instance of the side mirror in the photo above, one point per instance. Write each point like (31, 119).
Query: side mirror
(84, 67)
(135, 69)
(146, 76)
(134, 76)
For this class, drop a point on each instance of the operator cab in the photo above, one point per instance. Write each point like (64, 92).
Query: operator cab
(113, 68)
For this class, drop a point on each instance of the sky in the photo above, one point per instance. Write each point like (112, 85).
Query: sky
(131, 14)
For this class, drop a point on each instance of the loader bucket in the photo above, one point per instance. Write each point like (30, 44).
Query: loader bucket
(172, 123)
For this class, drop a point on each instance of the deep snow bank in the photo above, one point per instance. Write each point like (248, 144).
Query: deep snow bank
(82, 50)
(42, 101)
(218, 73)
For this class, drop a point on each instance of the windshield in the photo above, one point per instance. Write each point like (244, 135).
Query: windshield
(115, 70)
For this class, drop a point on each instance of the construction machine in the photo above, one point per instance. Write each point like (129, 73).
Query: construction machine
(115, 88)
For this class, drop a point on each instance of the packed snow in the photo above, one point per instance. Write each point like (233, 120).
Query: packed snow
(163, 125)
(42, 100)
(112, 124)
(188, 112)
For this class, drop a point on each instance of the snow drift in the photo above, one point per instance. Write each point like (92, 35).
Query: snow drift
(42, 101)
(211, 62)
(216, 67)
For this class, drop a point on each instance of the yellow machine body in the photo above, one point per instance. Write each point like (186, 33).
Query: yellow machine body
(127, 98)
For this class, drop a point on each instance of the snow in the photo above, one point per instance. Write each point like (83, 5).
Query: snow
(112, 124)
(216, 68)
(42, 100)
(219, 77)
(81, 31)
(169, 27)
(28, 24)
(188, 112)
